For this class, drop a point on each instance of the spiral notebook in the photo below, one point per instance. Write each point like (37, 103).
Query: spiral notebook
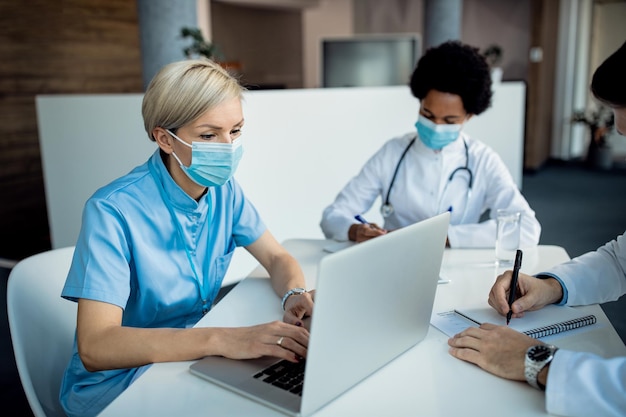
(550, 320)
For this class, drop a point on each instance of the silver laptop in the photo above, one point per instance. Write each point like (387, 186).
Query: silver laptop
(373, 302)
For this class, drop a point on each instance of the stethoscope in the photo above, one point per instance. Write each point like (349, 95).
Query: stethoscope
(387, 208)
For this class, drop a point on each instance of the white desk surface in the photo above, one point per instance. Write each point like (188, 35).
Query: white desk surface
(424, 381)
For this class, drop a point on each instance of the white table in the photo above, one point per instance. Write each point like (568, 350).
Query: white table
(425, 381)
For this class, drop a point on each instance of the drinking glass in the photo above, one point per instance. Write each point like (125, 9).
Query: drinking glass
(507, 236)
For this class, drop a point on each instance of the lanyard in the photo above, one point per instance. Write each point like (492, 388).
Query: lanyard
(203, 290)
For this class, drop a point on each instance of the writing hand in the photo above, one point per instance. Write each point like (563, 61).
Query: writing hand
(362, 232)
(365, 230)
(533, 293)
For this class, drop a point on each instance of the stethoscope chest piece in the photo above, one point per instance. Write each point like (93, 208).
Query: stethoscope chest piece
(386, 210)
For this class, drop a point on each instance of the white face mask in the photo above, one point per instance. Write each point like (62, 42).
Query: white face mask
(212, 164)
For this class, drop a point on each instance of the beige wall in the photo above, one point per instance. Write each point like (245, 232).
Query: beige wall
(608, 31)
(265, 42)
(503, 22)
(204, 18)
(278, 46)
(331, 18)
(389, 16)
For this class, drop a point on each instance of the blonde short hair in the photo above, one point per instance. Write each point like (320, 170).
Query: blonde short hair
(182, 91)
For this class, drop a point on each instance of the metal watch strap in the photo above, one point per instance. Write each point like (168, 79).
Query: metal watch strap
(532, 368)
(293, 291)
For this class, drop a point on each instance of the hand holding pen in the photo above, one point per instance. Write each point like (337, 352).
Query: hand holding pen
(365, 230)
(513, 287)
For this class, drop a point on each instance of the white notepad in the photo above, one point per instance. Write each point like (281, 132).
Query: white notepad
(550, 320)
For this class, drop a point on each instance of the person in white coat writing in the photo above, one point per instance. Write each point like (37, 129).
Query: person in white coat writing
(576, 383)
(437, 167)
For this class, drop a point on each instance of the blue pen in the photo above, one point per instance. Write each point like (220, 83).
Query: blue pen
(361, 219)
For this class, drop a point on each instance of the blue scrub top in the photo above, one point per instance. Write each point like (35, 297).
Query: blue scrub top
(130, 253)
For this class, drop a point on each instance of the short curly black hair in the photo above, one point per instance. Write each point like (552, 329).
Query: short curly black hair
(456, 68)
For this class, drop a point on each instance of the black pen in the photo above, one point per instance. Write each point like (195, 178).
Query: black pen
(513, 289)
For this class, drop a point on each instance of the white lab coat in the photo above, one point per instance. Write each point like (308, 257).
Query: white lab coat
(579, 383)
(422, 189)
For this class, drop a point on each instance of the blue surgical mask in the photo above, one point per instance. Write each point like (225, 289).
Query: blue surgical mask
(212, 164)
(436, 136)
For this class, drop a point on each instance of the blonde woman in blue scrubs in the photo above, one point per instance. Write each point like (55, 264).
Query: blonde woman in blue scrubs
(155, 245)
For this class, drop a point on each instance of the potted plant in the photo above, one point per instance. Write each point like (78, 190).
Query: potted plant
(199, 46)
(600, 123)
(493, 56)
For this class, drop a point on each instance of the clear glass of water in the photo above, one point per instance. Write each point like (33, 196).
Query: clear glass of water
(507, 236)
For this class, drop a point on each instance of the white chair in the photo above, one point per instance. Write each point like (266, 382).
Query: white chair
(42, 327)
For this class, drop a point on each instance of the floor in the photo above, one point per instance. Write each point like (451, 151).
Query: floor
(579, 209)
(12, 399)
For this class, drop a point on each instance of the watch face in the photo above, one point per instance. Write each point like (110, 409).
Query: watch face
(540, 353)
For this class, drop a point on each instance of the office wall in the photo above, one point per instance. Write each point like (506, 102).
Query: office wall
(266, 43)
(50, 47)
(301, 147)
(330, 18)
(256, 35)
(484, 22)
(278, 45)
(506, 23)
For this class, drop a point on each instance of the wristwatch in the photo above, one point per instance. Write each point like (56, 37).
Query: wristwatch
(537, 357)
(293, 291)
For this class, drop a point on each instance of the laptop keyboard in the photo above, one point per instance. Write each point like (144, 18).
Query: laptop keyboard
(285, 375)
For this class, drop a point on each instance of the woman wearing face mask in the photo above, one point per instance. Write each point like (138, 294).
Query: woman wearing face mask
(155, 245)
(437, 167)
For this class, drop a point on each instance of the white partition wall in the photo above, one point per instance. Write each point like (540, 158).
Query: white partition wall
(300, 148)
(86, 141)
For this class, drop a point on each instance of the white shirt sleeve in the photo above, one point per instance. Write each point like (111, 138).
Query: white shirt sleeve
(583, 384)
(579, 383)
(595, 277)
